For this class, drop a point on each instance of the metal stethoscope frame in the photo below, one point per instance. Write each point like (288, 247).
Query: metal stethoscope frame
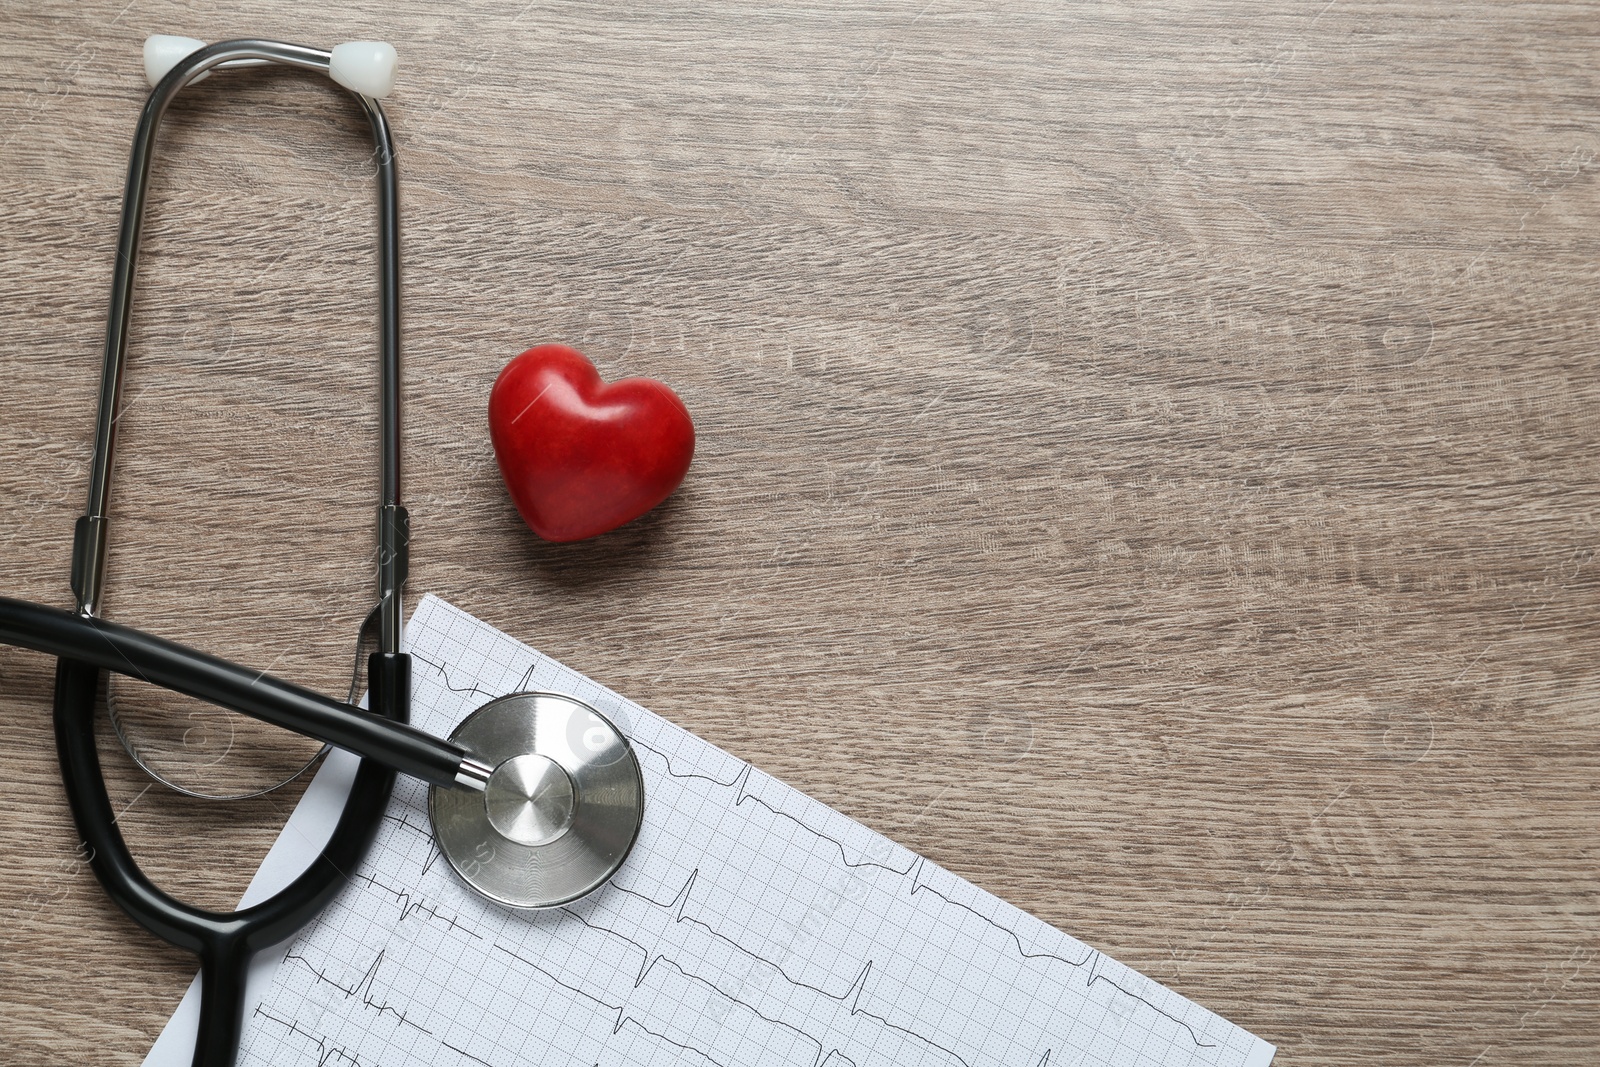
(224, 941)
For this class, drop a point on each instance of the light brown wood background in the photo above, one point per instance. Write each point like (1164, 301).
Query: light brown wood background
(1147, 455)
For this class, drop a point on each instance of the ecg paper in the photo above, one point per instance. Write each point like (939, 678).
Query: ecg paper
(750, 925)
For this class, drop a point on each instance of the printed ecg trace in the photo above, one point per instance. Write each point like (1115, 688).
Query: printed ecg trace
(750, 925)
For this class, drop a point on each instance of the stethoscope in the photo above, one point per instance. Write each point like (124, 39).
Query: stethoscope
(535, 799)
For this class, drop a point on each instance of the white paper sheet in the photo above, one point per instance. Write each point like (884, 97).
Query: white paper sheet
(750, 925)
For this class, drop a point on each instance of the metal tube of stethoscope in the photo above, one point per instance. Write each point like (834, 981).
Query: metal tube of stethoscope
(89, 565)
(111, 647)
(89, 550)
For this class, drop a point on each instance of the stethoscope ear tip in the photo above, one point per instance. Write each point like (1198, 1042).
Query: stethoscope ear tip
(162, 52)
(366, 67)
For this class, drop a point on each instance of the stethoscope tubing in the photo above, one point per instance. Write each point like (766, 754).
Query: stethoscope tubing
(113, 647)
(225, 941)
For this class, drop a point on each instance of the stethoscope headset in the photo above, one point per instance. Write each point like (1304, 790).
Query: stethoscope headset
(535, 800)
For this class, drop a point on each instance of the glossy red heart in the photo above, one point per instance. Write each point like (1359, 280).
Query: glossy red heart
(581, 457)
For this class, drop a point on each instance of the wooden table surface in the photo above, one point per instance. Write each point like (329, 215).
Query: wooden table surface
(1147, 456)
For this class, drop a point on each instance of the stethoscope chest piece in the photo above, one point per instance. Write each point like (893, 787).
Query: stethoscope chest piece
(562, 808)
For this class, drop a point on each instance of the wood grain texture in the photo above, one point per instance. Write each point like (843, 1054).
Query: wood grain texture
(1147, 454)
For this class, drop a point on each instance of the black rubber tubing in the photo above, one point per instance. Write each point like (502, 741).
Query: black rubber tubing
(224, 941)
(125, 650)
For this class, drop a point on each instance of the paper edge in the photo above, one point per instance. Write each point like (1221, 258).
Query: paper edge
(1261, 1055)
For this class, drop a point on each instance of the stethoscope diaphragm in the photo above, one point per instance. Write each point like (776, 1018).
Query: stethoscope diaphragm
(562, 808)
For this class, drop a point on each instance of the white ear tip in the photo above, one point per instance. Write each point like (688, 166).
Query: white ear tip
(163, 52)
(368, 67)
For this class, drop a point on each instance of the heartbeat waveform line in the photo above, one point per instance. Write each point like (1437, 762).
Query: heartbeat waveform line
(677, 902)
(405, 820)
(918, 886)
(1193, 1035)
(822, 1054)
(678, 905)
(648, 963)
(1095, 976)
(816, 1060)
(410, 906)
(742, 794)
(739, 783)
(325, 1055)
(470, 1056)
(433, 849)
(365, 984)
(471, 690)
(622, 1018)
(644, 963)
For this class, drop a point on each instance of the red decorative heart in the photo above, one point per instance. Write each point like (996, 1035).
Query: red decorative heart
(581, 457)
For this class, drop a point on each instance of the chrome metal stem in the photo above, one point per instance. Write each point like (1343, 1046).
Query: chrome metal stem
(89, 550)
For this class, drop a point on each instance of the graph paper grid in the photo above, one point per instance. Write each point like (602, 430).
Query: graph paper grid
(750, 925)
